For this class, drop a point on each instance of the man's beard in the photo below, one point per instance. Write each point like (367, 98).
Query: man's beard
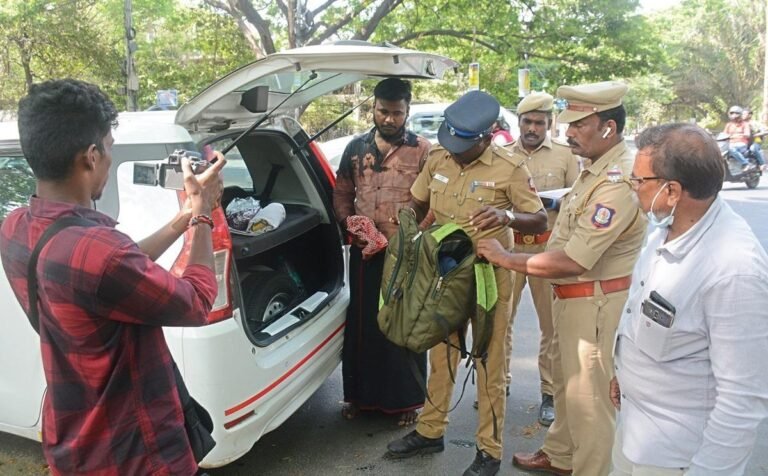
(392, 137)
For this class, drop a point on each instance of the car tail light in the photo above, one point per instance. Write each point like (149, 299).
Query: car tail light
(323, 162)
(222, 260)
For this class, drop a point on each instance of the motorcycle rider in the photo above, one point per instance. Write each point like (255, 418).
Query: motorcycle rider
(739, 137)
(756, 146)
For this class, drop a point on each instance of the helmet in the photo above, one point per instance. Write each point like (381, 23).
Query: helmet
(734, 110)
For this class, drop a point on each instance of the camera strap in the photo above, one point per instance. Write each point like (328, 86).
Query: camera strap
(32, 285)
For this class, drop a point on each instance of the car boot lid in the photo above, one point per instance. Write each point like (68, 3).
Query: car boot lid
(219, 107)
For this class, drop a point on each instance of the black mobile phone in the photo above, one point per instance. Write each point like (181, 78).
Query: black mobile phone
(659, 314)
(656, 297)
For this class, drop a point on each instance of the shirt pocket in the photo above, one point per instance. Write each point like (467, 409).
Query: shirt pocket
(652, 338)
(481, 196)
(548, 180)
(437, 190)
(404, 175)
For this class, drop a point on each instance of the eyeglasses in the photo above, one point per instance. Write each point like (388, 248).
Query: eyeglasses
(637, 181)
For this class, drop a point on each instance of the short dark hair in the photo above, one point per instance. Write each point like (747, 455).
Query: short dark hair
(685, 153)
(393, 89)
(617, 114)
(60, 118)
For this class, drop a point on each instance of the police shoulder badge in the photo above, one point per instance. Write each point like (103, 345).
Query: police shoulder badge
(615, 174)
(531, 184)
(603, 216)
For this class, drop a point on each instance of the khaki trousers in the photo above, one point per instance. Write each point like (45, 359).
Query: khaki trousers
(581, 437)
(624, 467)
(491, 385)
(541, 290)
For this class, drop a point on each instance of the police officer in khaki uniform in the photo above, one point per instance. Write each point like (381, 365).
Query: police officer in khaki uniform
(486, 190)
(552, 166)
(589, 258)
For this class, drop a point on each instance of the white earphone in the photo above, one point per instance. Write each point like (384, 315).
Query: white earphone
(606, 132)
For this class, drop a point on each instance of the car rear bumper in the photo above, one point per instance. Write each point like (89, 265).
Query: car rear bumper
(251, 390)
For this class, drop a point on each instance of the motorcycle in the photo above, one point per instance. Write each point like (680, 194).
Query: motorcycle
(733, 168)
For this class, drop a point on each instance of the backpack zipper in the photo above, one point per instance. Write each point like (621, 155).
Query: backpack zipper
(400, 245)
(416, 239)
(448, 274)
(437, 288)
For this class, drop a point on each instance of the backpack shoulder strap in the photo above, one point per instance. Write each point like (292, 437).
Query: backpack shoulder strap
(32, 286)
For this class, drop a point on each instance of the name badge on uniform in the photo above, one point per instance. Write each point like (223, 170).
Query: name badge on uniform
(441, 178)
(481, 184)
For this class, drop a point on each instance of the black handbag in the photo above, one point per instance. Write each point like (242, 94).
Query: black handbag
(197, 421)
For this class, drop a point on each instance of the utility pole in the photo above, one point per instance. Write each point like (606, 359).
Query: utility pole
(132, 80)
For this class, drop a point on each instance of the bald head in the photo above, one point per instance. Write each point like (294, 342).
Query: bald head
(686, 154)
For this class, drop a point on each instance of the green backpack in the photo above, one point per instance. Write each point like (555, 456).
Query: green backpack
(432, 284)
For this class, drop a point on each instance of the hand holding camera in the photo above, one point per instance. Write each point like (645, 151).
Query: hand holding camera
(204, 186)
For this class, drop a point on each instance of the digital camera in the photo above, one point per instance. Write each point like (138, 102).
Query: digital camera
(168, 175)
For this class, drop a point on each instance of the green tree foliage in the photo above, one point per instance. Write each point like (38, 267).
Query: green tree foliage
(714, 51)
(179, 47)
(43, 39)
(186, 49)
(561, 41)
(272, 25)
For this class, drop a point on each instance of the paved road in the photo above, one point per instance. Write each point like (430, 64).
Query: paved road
(316, 440)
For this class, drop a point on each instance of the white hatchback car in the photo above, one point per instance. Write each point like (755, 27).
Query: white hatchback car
(276, 330)
(425, 120)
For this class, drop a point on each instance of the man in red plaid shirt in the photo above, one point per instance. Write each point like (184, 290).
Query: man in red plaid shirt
(112, 407)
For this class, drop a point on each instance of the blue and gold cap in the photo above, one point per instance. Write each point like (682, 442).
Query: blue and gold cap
(467, 121)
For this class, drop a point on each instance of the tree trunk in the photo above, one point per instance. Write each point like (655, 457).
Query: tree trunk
(26, 59)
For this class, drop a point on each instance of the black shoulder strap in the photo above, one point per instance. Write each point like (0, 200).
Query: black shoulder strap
(32, 287)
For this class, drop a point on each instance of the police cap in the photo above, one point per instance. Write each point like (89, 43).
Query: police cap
(541, 102)
(586, 99)
(467, 121)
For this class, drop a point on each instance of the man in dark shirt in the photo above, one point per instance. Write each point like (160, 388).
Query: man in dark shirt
(112, 406)
(374, 180)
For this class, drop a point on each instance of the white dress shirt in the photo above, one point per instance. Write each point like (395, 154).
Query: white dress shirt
(693, 394)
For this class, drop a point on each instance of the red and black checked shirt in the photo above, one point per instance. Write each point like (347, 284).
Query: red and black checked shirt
(111, 406)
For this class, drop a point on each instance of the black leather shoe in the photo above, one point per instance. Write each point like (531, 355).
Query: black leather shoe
(483, 465)
(547, 410)
(414, 444)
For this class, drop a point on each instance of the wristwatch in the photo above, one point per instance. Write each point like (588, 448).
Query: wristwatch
(510, 216)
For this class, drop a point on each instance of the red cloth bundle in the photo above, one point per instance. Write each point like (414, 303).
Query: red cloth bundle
(364, 229)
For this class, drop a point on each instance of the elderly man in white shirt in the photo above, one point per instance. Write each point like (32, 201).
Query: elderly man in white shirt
(691, 351)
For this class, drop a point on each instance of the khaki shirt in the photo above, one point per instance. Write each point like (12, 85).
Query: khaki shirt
(602, 232)
(497, 178)
(552, 166)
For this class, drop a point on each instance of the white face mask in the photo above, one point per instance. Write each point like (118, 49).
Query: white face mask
(665, 222)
